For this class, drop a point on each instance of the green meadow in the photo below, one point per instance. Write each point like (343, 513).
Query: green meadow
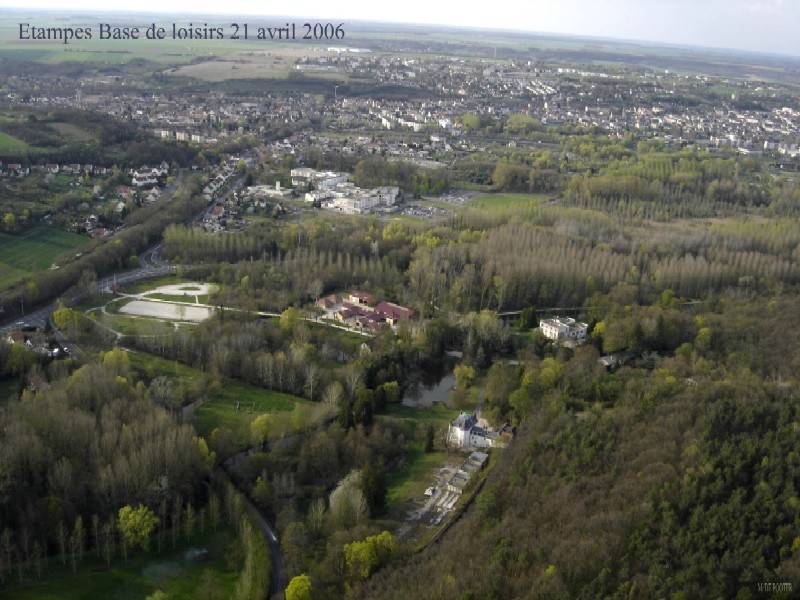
(33, 251)
(11, 145)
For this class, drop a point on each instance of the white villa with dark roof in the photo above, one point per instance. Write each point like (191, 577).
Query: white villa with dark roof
(464, 432)
(563, 328)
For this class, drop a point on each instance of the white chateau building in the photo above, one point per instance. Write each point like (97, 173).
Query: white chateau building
(464, 432)
(563, 328)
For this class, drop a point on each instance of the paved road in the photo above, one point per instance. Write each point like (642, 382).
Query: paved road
(278, 580)
(40, 316)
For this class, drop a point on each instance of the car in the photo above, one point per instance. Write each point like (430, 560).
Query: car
(429, 492)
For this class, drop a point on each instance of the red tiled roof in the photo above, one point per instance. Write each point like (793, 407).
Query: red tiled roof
(362, 296)
(393, 311)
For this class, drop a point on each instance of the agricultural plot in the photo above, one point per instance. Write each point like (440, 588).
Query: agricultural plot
(33, 251)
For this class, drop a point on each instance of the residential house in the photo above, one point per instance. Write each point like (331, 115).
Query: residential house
(364, 298)
(464, 432)
(393, 313)
(328, 302)
(563, 328)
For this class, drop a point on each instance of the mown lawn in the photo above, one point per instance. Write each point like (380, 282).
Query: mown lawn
(252, 401)
(187, 298)
(491, 202)
(132, 325)
(33, 251)
(115, 305)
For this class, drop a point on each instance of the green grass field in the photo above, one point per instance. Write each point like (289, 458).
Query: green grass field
(33, 251)
(171, 571)
(11, 145)
(410, 482)
(221, 411)
(132, 325)
(140, 287)
(438, 414)
(491, 202)
(187, 298)
(420, 472)
(115, 305)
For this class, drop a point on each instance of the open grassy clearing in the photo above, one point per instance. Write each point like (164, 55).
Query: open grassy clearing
(220, 410)
(132, 325)
(172, 571)
(252, 401)
(437, 414)
(153, 366)
(491, 202)
(33, 251)
(114, 306)
(419, 473)
(10, 144)
(71, 132)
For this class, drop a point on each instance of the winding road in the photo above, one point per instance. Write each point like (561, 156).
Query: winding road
(278, 580)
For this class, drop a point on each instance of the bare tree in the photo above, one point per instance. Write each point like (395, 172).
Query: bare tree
(316, 516)
(333, 395)
(352, 378)
(315, 289)
(312, 379)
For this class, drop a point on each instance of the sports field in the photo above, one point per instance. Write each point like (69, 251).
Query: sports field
(32, 251)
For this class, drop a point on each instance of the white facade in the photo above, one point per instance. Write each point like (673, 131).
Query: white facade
(563, 328)
(321, 179)
(464, 432)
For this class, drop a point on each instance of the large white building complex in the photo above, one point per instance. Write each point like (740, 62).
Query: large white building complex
(334, 192)
(563, 328)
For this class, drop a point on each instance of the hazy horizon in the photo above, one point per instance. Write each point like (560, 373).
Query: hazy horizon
(765, 26)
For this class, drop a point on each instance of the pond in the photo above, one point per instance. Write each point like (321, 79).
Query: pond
(423, 393)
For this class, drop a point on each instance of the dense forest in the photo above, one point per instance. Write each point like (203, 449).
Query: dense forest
(680, 483)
